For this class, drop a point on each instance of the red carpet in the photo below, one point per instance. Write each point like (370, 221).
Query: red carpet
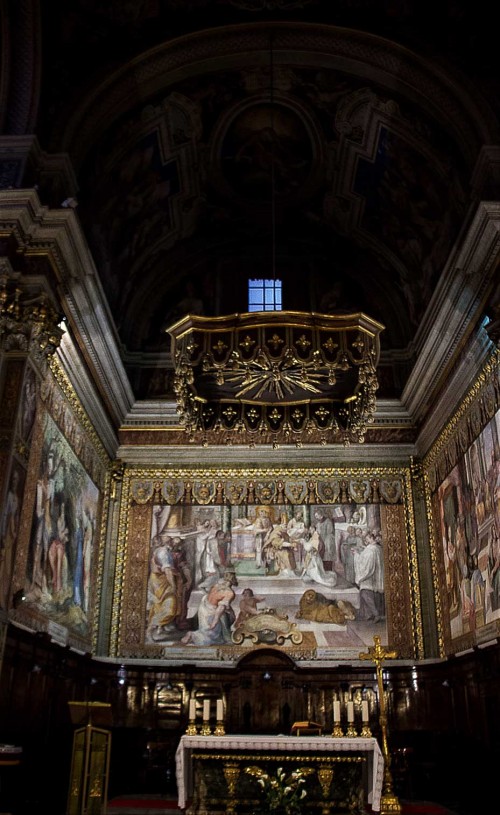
(146, 804)
(143, 803)
(423, 808)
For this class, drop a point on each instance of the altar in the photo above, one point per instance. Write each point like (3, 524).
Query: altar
(199, 758)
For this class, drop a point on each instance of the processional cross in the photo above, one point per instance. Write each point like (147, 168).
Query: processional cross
(389, 803)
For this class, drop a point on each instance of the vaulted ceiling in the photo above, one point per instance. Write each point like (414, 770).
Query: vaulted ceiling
(166, 110)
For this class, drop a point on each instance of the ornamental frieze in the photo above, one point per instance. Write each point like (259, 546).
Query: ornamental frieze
(292, 491)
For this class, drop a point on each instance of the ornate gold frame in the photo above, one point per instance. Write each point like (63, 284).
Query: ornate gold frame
(476, 410)
(141, 489)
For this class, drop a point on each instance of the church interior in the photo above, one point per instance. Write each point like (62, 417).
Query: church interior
(249, 404)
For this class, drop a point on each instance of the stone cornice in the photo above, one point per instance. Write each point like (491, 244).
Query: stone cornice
(56, 235)
(455, 312)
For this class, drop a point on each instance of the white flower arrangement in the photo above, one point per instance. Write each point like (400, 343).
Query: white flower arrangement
(282, 792)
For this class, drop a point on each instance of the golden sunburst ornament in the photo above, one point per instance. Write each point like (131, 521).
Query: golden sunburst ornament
(232, 373)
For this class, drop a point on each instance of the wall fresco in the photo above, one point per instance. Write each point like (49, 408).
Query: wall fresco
(219, 578)
(467, 518)
(9, 529)
(62, 540)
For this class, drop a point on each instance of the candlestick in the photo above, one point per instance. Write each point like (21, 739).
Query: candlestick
(219, 727)
(191, 729)
(205, 728)
(351, 730)
(365, 730)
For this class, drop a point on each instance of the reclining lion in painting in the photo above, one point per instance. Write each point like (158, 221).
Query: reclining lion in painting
(319, 609)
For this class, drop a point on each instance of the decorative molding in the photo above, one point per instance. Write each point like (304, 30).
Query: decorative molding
(456, 308)
(464, 426)
(57, 236)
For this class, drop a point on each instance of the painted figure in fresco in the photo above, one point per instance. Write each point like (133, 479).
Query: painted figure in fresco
(215, 614)
(468, 616)
(205, 530)
(57, 552)
(494, 569)
(496, 493)
(350, 543)
(452, 574)
(469, 518)
(162, 590)
(493, 480)
(210, 560)
(29, 405)
(10, 525)
(278, 551)
(296, 530)
(478, 483)
(78, 571)
(296, 527)
(88, 539)
(478, 591)
(327, 547)
(369, 573)
(261, 528)
(313, 569)
(248, 605)
(224, 548)
(184, 581)
(44, 525)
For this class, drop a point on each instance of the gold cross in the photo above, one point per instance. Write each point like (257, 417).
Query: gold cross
(389, 804)
(377, 653)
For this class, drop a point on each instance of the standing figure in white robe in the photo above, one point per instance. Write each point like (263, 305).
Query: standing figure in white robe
(369, 576)
(313, 569)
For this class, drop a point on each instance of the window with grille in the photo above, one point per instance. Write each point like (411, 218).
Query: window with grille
(264, 295)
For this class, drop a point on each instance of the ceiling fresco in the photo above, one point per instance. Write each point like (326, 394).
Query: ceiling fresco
(218, 141)
(182, 193)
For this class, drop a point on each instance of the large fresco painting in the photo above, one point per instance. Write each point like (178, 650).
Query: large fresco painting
(467, 515)
(11, 510)
(310, 565)
(63, 535)
(219, 578)
(9, 528)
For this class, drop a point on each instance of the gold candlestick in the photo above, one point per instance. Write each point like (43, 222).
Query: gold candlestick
(389, 803)
(219, 728)
(351, 731)
(191, 729)
(337, 731)
(366, 733)
(206, 730)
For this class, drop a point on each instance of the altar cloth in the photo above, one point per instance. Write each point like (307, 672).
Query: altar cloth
(266, 744)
